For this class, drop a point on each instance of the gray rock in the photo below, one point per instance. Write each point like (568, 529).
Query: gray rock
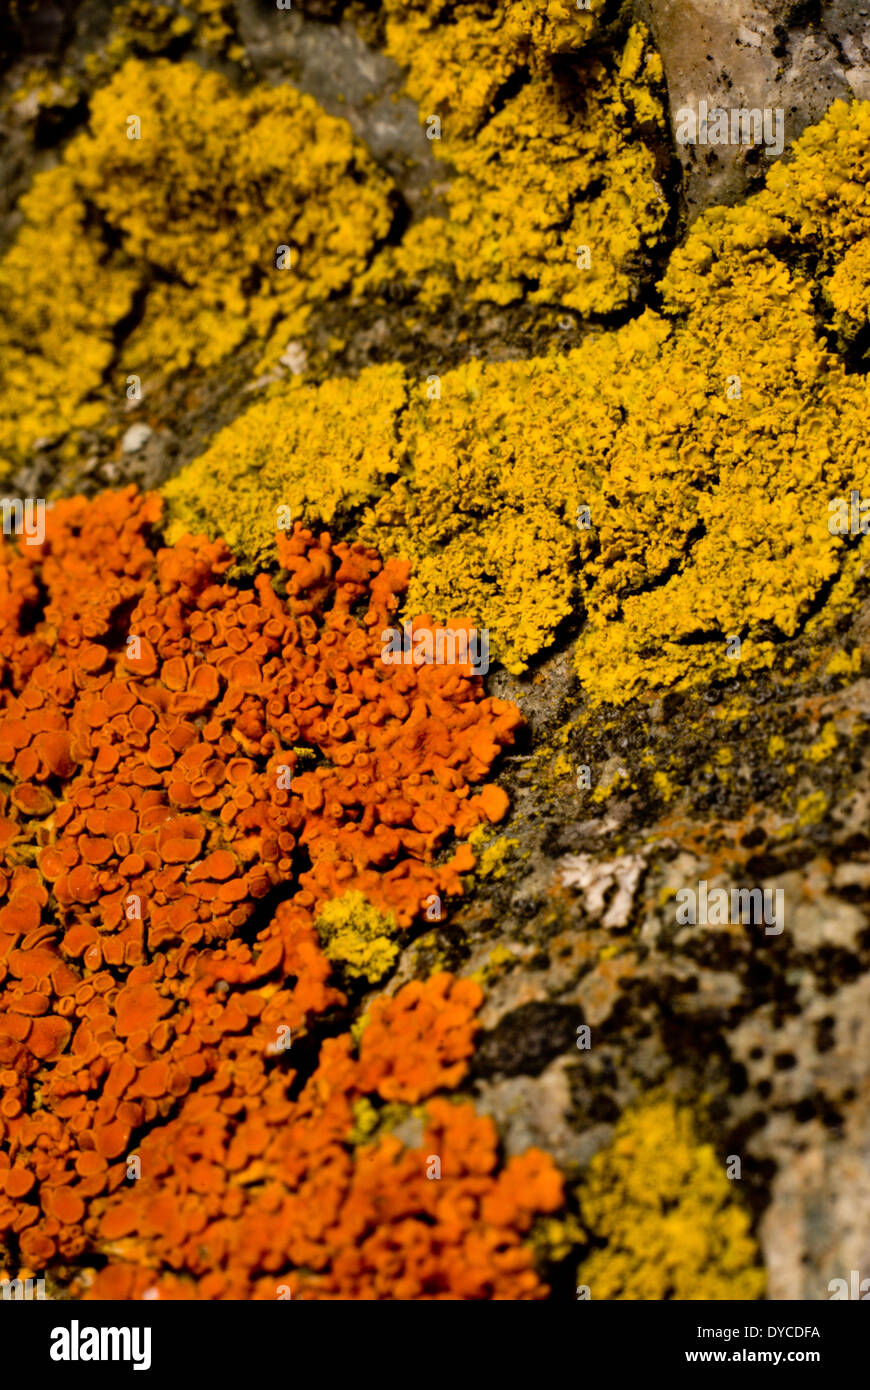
(754, 54)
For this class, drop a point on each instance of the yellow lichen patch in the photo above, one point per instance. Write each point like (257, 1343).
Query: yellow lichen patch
(458, 57)
(216, 24)
(485, 513)
(555, 196)
(849, 287)
(820, 196)
(811, 809)
(358, 937)
(124, 215)
(669, 1214)
(138, 28)
(716, 495)
(282, 172)
(58, 304)
(317, 452)
(666, 487)
(706, 442)
(824, 745)
(494, 857)
(844, 663)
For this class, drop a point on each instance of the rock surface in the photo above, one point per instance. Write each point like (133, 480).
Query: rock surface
(571, 921)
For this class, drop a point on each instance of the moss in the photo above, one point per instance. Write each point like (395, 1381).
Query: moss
(319, 451)
(672, 1224)
(358, 937)
(121, 217)
(557, 165)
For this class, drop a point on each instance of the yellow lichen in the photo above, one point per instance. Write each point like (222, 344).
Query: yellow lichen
(679, 432)
(485, 514)
(665, 486)
(58, 304)
(138, 28)
(493, 857)
(317, 452)
(139, 216)
(670, 1217)
(282, 171)
(844, 663)
(825, 744)
(811, 808)
(358, 937)
(555, 196)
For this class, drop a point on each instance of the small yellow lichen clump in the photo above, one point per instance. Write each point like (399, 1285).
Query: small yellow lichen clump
(190, 215)
(664, 1205)
(138, 28)
(358, 937)
(555, 197)
(315, 451)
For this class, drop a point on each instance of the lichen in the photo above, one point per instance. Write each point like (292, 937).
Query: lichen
(127, 217)
(318, 452)
(706, 441)
(545, 163)
(57, 312)
(358, 937)
(494, 856)
(152, 805)
(485, 510)
(673, 1225)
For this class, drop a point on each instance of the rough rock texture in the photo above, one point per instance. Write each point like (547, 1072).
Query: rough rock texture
(795, 56)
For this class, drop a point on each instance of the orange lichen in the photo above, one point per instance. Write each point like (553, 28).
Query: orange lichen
(247, 1179)
(419, 1040)
(152, 717)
